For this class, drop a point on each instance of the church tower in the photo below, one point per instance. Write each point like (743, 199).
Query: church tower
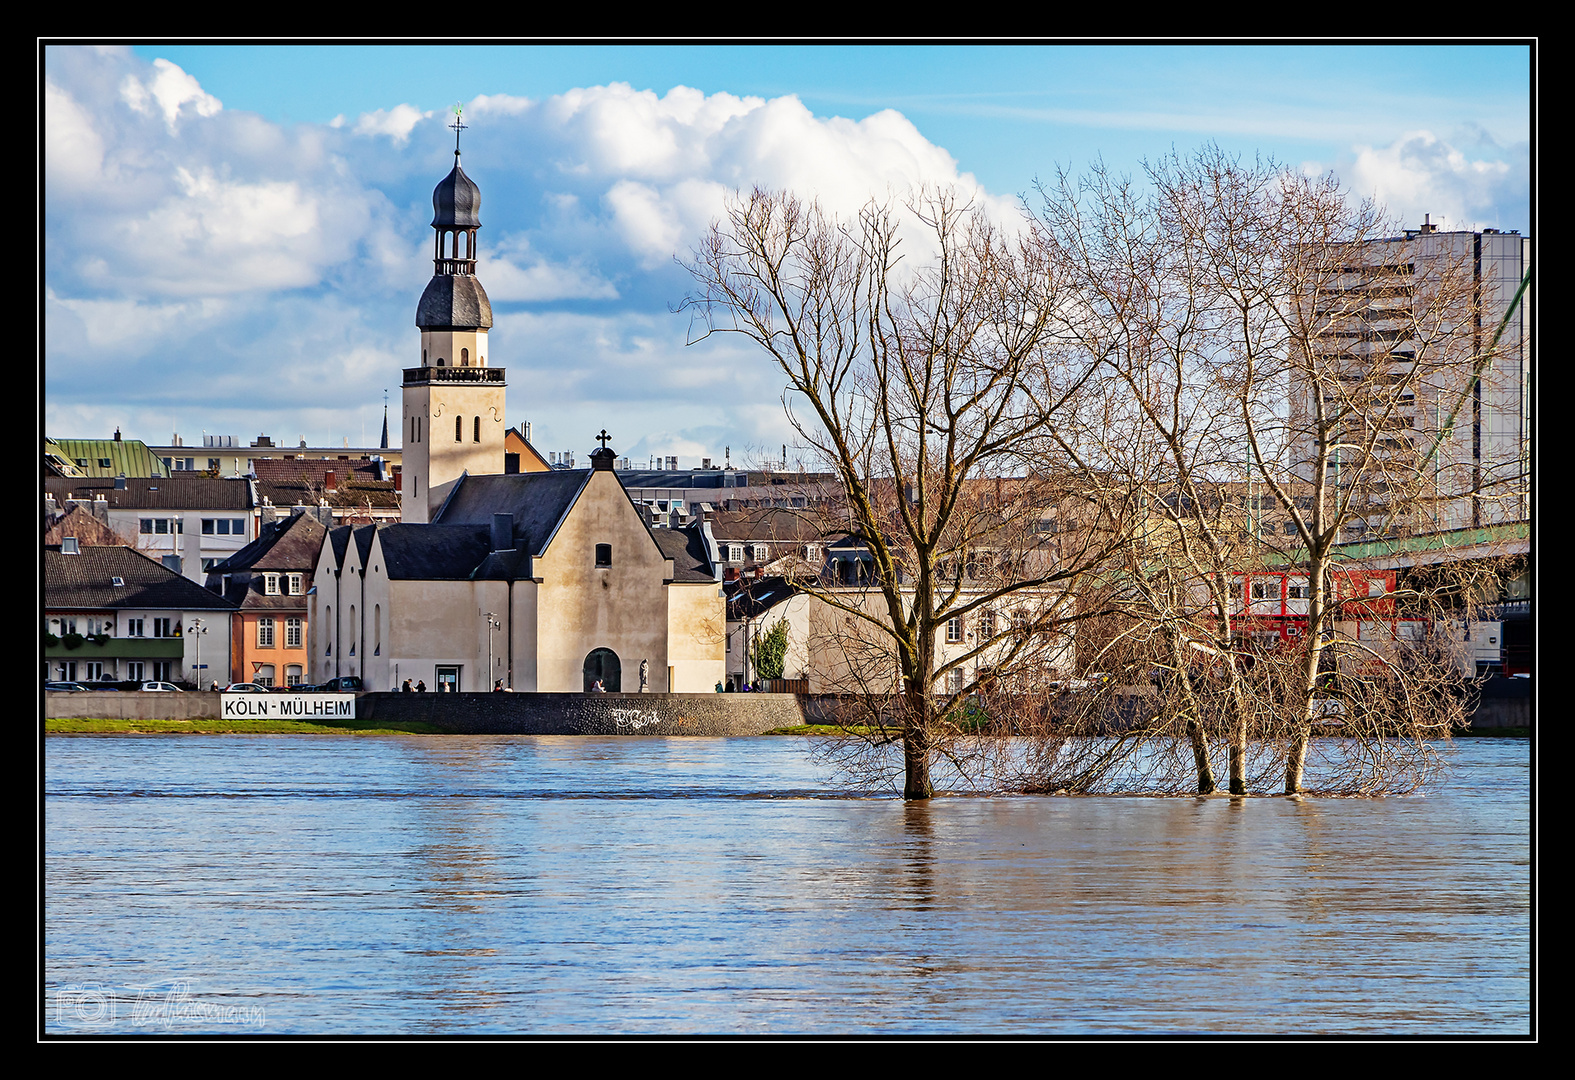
(453, 402)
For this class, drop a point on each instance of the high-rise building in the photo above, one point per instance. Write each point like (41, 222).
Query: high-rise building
(1417, 398)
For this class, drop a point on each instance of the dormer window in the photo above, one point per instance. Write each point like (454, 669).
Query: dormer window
(603, 554)
(118, 582)
(271, 584)
(296, 581)
(68, 546)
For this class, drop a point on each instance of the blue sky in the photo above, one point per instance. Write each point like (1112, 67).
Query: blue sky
(236, 236)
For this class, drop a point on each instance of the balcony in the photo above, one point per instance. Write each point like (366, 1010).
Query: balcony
(419, 376)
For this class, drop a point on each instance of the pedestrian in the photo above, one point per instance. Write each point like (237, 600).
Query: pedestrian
(497, 687)
(407, 688)
(421, 686)
(598, 688)
(645, 668)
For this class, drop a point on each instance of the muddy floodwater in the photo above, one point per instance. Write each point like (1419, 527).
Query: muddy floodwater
(449, 885)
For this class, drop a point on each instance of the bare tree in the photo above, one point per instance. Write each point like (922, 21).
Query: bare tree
(925, 381)
(1271, 351)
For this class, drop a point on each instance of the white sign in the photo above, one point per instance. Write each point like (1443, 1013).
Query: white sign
(287, 706)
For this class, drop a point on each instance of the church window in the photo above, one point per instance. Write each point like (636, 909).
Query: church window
(476, 433)
(464, 358)
(459, 429)
(440, 361)
(603, 554)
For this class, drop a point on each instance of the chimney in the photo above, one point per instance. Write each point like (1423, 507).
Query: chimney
(502, 532)
(117, 434)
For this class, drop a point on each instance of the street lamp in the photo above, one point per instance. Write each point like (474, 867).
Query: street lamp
(198, 629)
(492, 624)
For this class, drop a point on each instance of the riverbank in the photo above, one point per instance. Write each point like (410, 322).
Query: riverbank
(213, 725)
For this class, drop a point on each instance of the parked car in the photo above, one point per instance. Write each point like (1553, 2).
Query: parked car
(162, 687)
(65, 687)
(344, 684)
(246, 688)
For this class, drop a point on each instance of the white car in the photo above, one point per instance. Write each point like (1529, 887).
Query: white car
(162, 687)
(246, 688)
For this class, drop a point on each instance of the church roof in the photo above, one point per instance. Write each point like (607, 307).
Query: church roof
(454, 300)
(537, 501)
(687, 549)
(456, 201)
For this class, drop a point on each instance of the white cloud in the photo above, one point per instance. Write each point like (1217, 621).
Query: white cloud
(73, 149)
(169, 91)
(397, 123)
(1421, 174)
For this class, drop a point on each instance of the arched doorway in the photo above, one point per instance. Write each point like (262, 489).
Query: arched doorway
(603, 664)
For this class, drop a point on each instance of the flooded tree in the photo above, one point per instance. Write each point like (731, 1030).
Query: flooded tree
(922, 368)
(1275, 358)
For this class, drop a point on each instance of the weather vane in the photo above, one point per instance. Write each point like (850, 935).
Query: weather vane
(457, 126)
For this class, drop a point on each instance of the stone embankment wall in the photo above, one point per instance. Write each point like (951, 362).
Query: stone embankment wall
(491, 714)
(588, 714)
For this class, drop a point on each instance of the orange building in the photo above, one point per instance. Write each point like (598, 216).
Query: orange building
(269, 578)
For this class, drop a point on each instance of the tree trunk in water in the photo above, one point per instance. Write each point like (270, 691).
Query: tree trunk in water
(1200, 757)
(916, 763)
(1238, 747)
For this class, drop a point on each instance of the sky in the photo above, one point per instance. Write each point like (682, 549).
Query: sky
(235, 236)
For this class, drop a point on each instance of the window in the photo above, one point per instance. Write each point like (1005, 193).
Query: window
(161, 627)
(1299, 592)
(760, 553)
(464, 358)
(161, 671)
(954, 630)
(265, 633)
(145, 526)
(271, 584)
(68, 546)
(134, 670)
(603, 554)
(172, 562)
(295, 583)
(954, 680)
(94, 672)
(213, 464)
(476, 437)
(292, 675)
(209, 564)
(735, 553)
(459, 429)
(292, 633)
(134, 628)
(104, 463)
(1265, 590)
(986, 625)
(237, 527)
(264, 676)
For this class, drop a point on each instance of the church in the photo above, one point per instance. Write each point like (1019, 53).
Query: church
(537, 581)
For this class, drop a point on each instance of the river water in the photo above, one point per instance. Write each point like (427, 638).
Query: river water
(442, 885)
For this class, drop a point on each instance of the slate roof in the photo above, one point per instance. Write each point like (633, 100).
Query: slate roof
(179, 492)
(84, 581)
(456, 201)
(686, 547)
(538, 502)
(759, 596)
(434, 552)
(454, 300)
(290, 544)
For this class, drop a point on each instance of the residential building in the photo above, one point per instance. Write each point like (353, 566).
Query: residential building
(232, 457)
(113, 614)
(188, 522)
(268, 580)
(351, 492)
(1407, 324)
